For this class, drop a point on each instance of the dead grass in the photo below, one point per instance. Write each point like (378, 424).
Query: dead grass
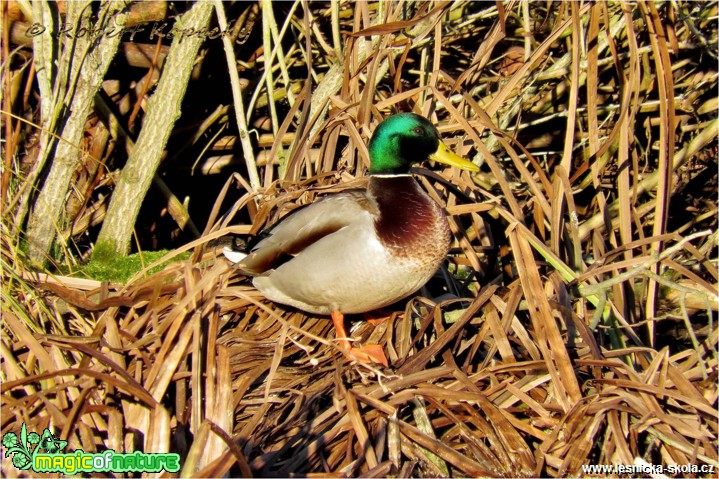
(574, 323)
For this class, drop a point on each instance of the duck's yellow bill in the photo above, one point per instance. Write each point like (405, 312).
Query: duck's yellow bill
(448, 157)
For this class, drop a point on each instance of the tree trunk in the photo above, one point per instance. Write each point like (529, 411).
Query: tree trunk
(163, 110)
(67, 100)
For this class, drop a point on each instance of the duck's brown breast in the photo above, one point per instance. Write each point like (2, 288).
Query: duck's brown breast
(409, 224)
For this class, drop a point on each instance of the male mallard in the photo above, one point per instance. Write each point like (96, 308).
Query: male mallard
(358, 251)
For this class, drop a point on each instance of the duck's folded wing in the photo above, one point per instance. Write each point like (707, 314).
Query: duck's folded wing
(306, 226)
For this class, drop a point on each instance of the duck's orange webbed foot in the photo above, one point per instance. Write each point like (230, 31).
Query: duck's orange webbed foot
(369, 353)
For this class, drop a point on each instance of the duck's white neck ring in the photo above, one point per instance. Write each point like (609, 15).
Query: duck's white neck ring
(391, 175)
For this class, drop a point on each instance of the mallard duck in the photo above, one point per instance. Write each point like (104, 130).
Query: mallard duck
(360, 250)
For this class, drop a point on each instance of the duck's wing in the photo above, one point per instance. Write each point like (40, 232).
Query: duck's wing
(306, 226)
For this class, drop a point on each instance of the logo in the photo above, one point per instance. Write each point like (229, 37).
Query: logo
(43, 453)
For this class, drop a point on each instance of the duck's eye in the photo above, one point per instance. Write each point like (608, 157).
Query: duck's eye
(418, 130)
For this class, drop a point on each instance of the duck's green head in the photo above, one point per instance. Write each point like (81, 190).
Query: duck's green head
(405, 139)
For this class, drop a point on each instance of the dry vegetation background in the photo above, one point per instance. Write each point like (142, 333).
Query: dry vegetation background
(585, 258)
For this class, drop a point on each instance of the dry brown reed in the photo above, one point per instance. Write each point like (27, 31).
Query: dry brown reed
(573, 324)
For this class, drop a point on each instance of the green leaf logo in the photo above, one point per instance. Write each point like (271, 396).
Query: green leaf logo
(23, 449)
